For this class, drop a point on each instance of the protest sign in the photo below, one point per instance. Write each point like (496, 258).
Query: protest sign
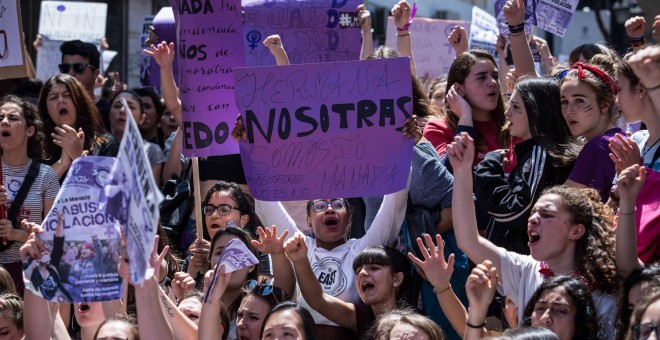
(67, 20)
(81, 264)
(483, 30)
(433, 54)
(12, 53)
(312, 31)
(133, 198)
(555, 16)
(235, 256)
(210, 45)
(165, 28)
(61, 21)
(145, 60)
(325, 130)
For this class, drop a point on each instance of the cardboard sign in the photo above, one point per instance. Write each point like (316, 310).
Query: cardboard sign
(67, 20)
(82, 265)
(12, 52)
(325, 130)
(433, 54)
(135, 197)
(483, 30)
(210, 46)
(312, 31)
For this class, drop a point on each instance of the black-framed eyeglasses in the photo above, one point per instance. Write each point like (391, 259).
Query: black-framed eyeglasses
(644, 331)
(337, 204)
(223, 209)
(77, 67)
(267, 290)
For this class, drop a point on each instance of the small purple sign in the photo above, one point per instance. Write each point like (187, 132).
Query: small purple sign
(165, 29)
(313, 31)
(209, 46)
(325, 130)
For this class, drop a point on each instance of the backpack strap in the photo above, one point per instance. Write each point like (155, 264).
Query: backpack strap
(33, 172)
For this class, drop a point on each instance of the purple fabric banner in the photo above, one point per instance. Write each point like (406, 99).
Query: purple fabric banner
(312, 31)
(165, 29)
(325, 130)
(210, 45)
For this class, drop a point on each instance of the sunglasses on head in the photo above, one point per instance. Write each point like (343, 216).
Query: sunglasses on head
(267, 290)
(77, 67)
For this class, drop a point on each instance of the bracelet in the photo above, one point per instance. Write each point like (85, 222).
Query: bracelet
(653, 88)
(403, 34)
(467, 323)
(516, 28)
(633, 39)
(442, 291)
(627, 214)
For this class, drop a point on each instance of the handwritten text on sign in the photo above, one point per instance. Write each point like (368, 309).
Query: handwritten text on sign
(210, 45)
(325, 130)
(313, 31)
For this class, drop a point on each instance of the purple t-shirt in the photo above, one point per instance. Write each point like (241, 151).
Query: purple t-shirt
(593, 167)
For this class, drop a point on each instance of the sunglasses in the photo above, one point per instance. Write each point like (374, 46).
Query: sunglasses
(223, 209)
(267, 290)
(337, 204)
(77, 67)
(644, 331)
(561, 75)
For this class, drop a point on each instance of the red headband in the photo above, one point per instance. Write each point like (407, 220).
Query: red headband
(598, 72)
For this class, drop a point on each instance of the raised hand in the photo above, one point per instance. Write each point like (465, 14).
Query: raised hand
(295, 248)
(457, 104)
(481, 285)
(630, 182)
(401, 14)
(461, 152)
(514, 12)
(458, 40)
(625, 152)
(182, 284)
(239, 132)
(269, 242)
(646, 65)
(635, 27)
(219, 287)
(162, 53)
(364, 17)
(437, 271)
(274, 44)
(511, 79)
(156, 259)
(69, 140)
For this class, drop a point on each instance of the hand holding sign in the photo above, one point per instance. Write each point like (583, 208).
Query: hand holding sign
(239, 131)
(269, 242)
(33, 247)
(514, 12)
(458, 40)
(215, 284)
(412, 129)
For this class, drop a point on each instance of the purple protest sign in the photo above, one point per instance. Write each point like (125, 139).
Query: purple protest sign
(325, 130)
(312, 31)
(80, 262)
(165, 29)
(235, 256)
(210, 45)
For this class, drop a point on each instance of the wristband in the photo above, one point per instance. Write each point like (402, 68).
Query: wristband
(410, 21)
(442, 291)
(403, 34)
(467, 323)
(516, 28)
(613, 196)
(627, 214)
(637, 42)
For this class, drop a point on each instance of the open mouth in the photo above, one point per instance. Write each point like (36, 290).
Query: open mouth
(83, 308)
(331, 221)
(367, 287)
(64, 112)
(5, 134)
(533, 237)
(215, 226)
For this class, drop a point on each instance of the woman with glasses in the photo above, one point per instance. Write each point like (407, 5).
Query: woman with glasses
(225, 205)
(645, 319)
(71, 124)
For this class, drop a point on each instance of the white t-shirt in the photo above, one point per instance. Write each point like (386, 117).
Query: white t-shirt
(334, 268)
(520, 278)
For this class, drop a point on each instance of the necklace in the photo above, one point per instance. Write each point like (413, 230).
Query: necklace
(648, 148)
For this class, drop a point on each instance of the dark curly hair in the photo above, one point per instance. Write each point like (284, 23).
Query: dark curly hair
(458, 72)
(244, 201)
(586, 319)
(594, 252)
(639, 276)
(422, 106)
(87, 116)
(34, 144)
